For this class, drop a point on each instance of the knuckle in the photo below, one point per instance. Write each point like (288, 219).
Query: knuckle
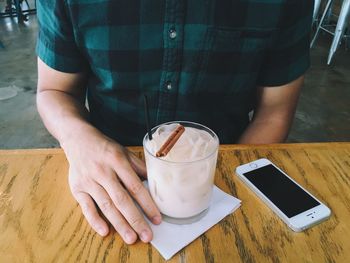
(79, 185)
(135, 188)
(116, 156)
(136, 222)
(97, 168)
(114, 152)
(121, 197)
(106, 205)
(85, 208)
(90, 217)
(88, 213)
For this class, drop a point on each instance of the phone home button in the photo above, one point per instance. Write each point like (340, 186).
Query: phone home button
(253, 165)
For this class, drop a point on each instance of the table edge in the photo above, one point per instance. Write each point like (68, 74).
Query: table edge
(223, 147)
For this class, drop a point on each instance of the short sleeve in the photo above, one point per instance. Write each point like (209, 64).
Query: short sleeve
(56, 45)
(288, 56)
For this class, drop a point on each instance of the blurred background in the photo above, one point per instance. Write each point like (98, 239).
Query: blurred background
(323, 112)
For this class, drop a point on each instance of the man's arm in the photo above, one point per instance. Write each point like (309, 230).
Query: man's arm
(274, 114)
(99, 167)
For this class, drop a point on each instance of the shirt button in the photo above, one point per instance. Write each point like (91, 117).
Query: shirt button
(168, 85)
(172, 33)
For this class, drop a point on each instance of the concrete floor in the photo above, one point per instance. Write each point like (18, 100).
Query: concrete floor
(323, 112)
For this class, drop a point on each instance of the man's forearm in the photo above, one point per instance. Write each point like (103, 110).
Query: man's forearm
(274, 114)
(263, 132)
(64, 116)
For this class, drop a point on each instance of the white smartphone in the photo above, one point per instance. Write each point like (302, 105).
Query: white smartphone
(292, 203)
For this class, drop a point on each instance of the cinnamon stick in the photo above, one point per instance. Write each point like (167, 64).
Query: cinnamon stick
(170, 142)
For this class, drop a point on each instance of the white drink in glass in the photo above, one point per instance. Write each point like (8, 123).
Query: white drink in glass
(181, 183)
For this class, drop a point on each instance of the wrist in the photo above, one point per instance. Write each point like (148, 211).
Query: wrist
(78, 132)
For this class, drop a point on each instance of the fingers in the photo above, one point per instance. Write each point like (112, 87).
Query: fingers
(137, 164)
(124, 203)
(113, 183)
(135, 187)
(110, 211)
(91, 214)
(125, 227)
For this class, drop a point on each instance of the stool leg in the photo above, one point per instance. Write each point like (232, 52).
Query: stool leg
(321, 21)
(19, 11)
(317, 4)
(339, 31)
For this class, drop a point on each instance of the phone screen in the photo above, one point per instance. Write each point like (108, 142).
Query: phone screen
(283, 192)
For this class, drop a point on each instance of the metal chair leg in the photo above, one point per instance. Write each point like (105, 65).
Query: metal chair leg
(317, 4)
(19, 12)
(339, 31)
(328, 5)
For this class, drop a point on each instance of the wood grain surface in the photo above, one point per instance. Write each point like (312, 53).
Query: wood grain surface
(41, 222)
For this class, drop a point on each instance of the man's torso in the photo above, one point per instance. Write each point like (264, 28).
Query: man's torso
(196, 60)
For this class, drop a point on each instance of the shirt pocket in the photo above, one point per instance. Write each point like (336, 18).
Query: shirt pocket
(231, 60)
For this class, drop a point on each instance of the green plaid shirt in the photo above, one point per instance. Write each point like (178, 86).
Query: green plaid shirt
(196, 60)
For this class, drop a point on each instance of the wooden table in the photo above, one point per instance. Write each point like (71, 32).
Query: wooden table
(41, 222)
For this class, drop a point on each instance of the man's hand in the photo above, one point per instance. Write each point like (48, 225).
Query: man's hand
(103, 174)
(274, 114)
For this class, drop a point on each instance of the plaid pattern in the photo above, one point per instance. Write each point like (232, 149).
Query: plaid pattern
(196, 60)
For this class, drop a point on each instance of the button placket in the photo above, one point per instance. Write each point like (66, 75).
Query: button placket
(173, 40)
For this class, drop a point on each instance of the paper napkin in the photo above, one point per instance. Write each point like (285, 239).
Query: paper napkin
(168, 238)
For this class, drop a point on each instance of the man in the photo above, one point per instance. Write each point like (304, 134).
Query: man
(210, 62)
